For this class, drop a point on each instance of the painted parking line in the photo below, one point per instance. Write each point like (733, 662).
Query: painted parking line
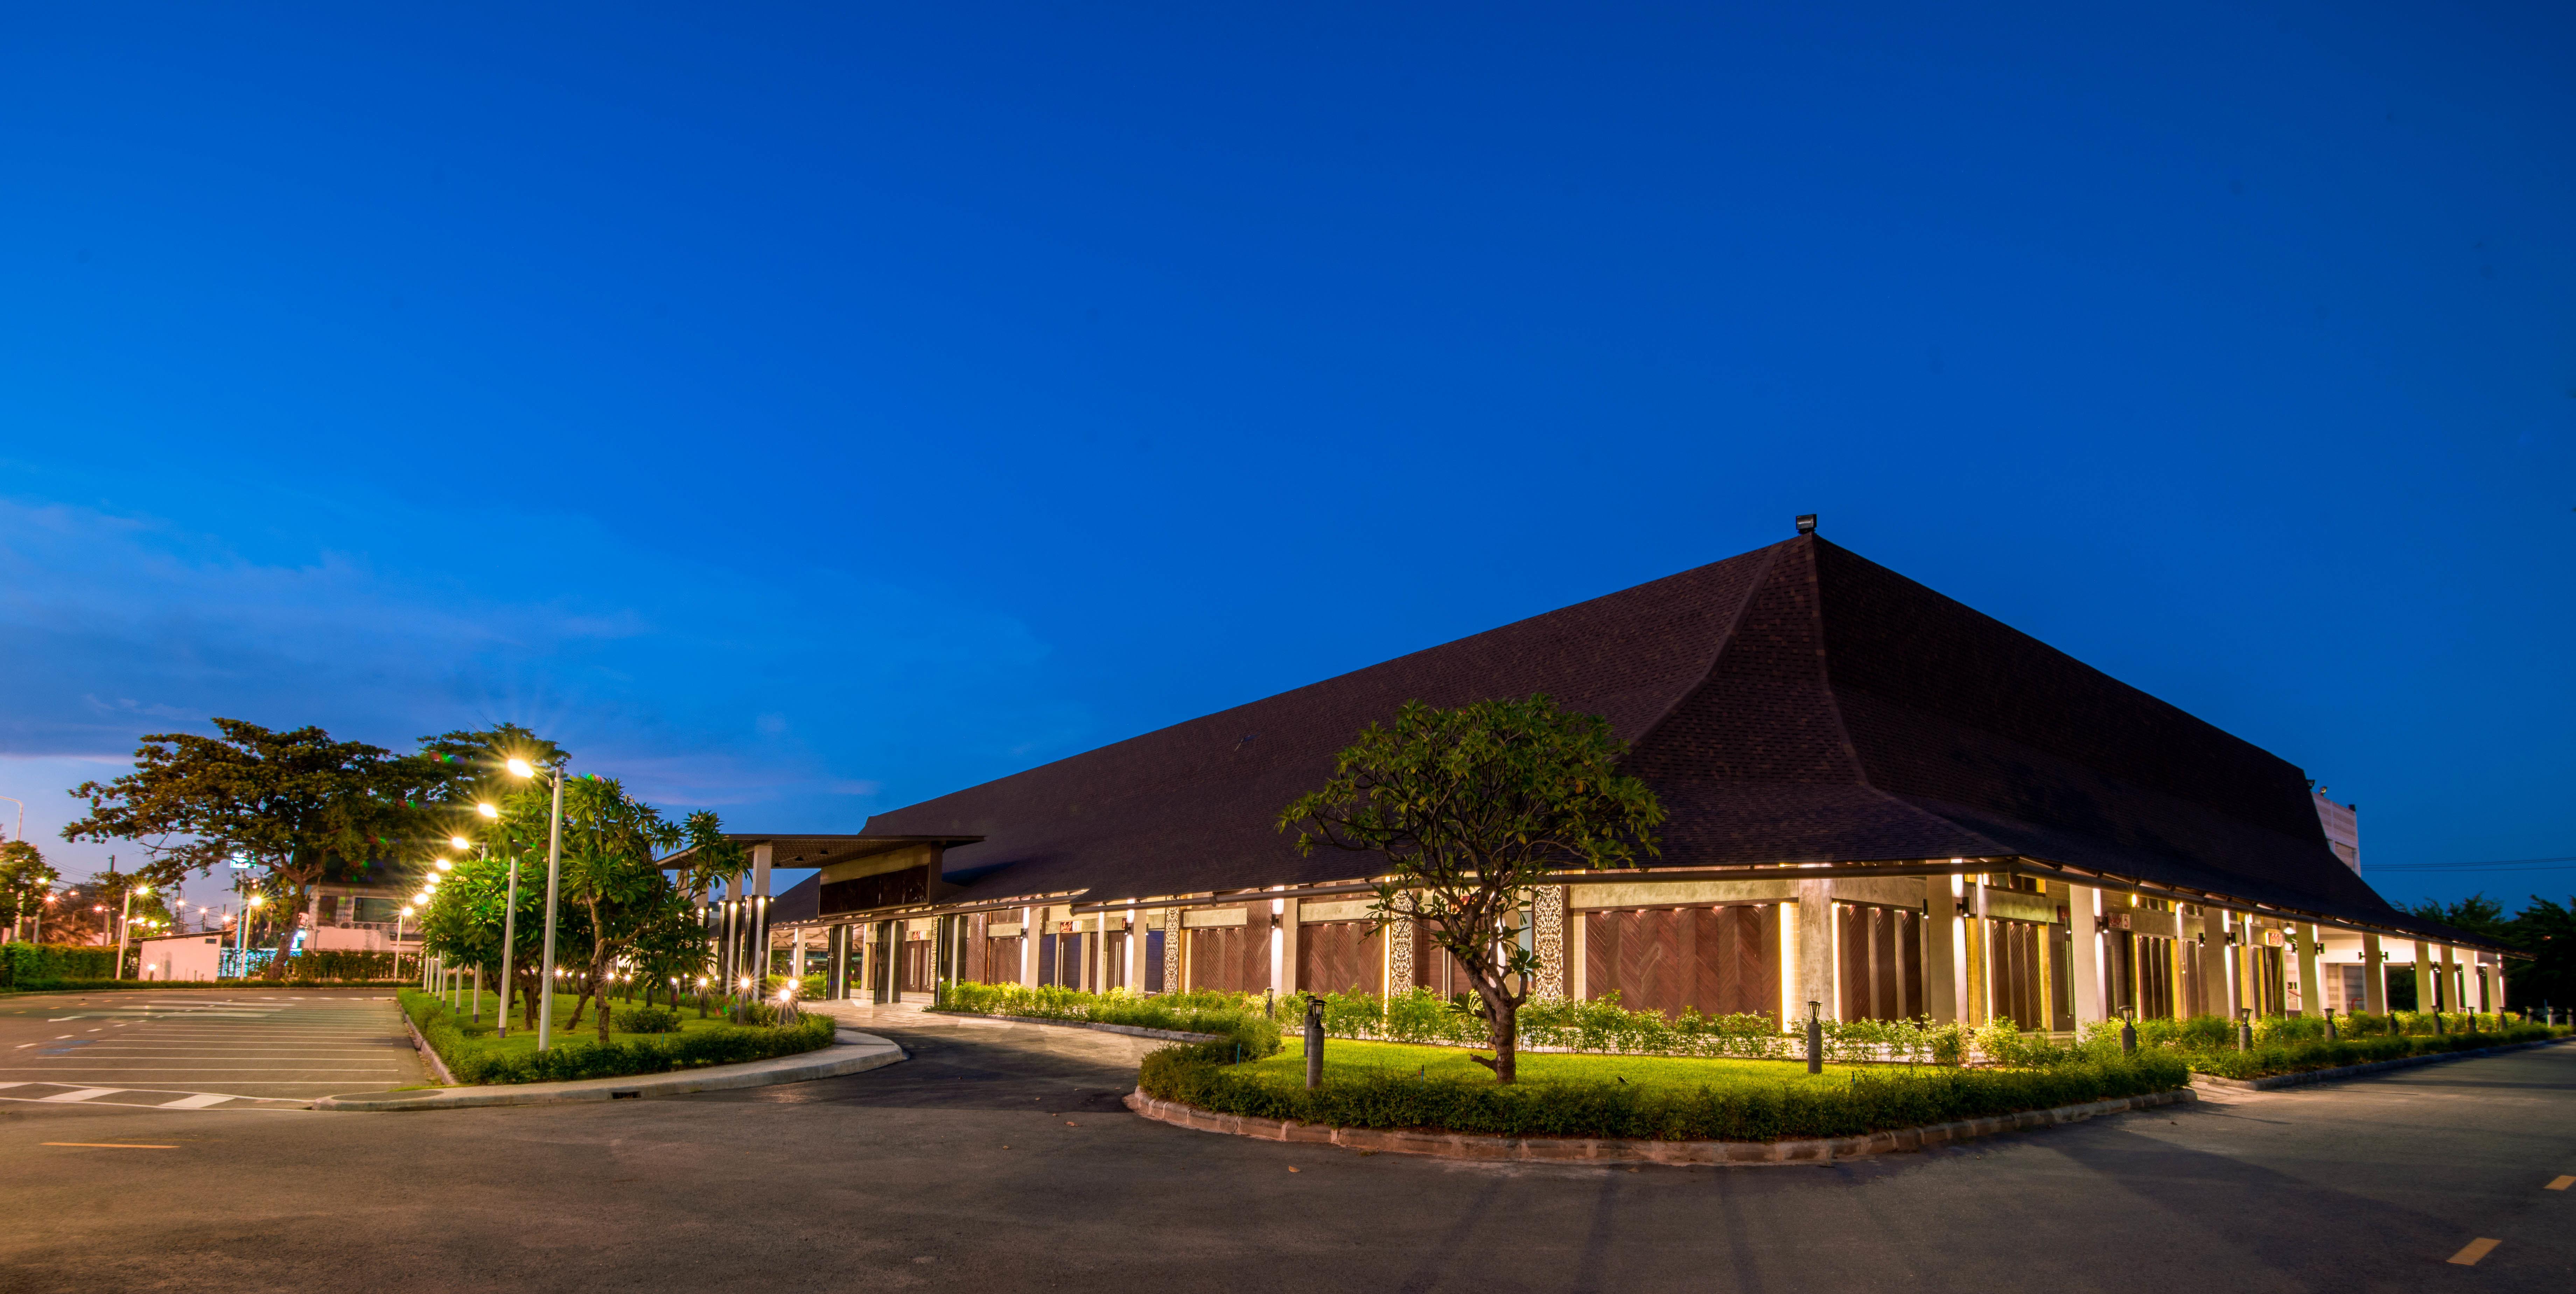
(2475, 1250)
(198, 1102)
(83, 1094)
(2559, 1183)
(110, 1145)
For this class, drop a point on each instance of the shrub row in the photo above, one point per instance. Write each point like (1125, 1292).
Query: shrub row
(1738, 1110)
(2300, 1056)
(31, 966)
(1240, 1018)
(592, 1059)
(1601, 1025)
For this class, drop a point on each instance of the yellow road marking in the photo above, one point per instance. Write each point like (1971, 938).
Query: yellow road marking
(2476, 1250)
(2559, 1183)
(118, 1145)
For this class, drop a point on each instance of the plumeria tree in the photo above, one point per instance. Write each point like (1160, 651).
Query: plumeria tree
(1468, 811)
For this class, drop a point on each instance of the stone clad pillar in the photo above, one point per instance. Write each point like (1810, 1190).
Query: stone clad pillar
(2423, 976)
(1548, 931)
(1173, 932)
(1816, 950)
(1287, 981)
(2084, 955)
(1029, 947)
(1940, 950)
(2312, 991)
(2217, 984)
(2374, 975)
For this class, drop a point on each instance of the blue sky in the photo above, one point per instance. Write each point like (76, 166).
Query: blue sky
(804, 412)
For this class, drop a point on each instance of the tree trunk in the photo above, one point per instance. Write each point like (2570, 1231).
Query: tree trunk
(302, 889)
(1503, 1022)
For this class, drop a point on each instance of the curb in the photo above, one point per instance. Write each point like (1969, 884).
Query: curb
(1131, 1030)
(1606, 1150)
(853, 1053)
(427, 1052)
(2271, 1082)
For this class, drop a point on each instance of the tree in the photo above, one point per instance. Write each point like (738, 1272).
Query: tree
(611, 841)
(1471, 809)
(290, 803)
(25, 879)
(2547, 931)
(468, 768)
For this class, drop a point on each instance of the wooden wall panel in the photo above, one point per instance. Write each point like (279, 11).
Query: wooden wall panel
(1235, 959)
(1340, 956)
(1718, 960)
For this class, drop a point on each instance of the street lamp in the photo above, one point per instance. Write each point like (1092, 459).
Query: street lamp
(509, 919)
(554, 877)
(125, 921)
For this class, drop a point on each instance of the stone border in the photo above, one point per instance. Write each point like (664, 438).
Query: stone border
(2270, 1082)
(852, 1053)
(1604, 1150)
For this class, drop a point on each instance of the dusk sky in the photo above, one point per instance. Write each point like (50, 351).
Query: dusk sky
(804, 413)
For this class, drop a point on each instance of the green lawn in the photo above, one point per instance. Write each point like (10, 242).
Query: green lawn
(480, 1035)
(1345, 1059)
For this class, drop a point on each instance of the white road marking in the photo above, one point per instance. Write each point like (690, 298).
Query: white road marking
(84, 1094)
(198, 1102)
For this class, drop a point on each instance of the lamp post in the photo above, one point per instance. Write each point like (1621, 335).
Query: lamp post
(124, 922)
(554, 878)
(509, 920)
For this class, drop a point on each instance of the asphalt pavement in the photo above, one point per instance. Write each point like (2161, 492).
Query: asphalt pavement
(202, 1048)
(998, 1158)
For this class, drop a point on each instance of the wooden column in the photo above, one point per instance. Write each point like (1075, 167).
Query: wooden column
(1816, 951)
(1940, 950)
(2084, 960)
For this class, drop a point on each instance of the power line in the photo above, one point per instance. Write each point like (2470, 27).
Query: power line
(2493, 865)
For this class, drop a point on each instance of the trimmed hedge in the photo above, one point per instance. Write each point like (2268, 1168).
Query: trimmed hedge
(1237, 1017)
(33, 966)
(1866, 1101)
(593, 1059)
(2301, 1057)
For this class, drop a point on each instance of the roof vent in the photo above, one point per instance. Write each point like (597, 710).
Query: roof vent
(1806, 523)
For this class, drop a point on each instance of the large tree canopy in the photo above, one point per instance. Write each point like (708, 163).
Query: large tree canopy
(290, 803)
(1471, 809)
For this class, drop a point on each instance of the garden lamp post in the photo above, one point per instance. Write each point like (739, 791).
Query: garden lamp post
(509, 920)
(1815, 1038)
(554, 878)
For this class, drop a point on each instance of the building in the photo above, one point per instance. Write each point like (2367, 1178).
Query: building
(1878, 799)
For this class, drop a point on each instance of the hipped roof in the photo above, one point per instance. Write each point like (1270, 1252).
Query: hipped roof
(1795, 704)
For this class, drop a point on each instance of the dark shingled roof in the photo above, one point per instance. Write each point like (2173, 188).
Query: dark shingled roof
(1798, 703)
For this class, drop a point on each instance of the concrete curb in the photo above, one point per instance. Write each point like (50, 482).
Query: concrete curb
(2271, 1082)
(852, 1053)
(1603, 1150)
(1131, 1030)
(427, 1052)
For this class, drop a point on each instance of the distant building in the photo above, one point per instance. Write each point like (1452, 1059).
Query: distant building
(2343, 828)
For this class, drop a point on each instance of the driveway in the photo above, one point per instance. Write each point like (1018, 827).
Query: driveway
(998, 1159)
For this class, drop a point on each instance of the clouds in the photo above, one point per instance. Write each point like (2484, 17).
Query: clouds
(800, 692)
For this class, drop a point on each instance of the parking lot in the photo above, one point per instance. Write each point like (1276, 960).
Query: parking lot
(189, 1049)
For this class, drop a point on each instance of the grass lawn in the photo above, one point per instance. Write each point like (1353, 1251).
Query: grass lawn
(1347, 1059)
(480, 1037)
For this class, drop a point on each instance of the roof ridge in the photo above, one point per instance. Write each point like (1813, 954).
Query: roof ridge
(1770, 562)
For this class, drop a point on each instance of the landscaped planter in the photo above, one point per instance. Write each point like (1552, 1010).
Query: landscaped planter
(1598, 1150)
